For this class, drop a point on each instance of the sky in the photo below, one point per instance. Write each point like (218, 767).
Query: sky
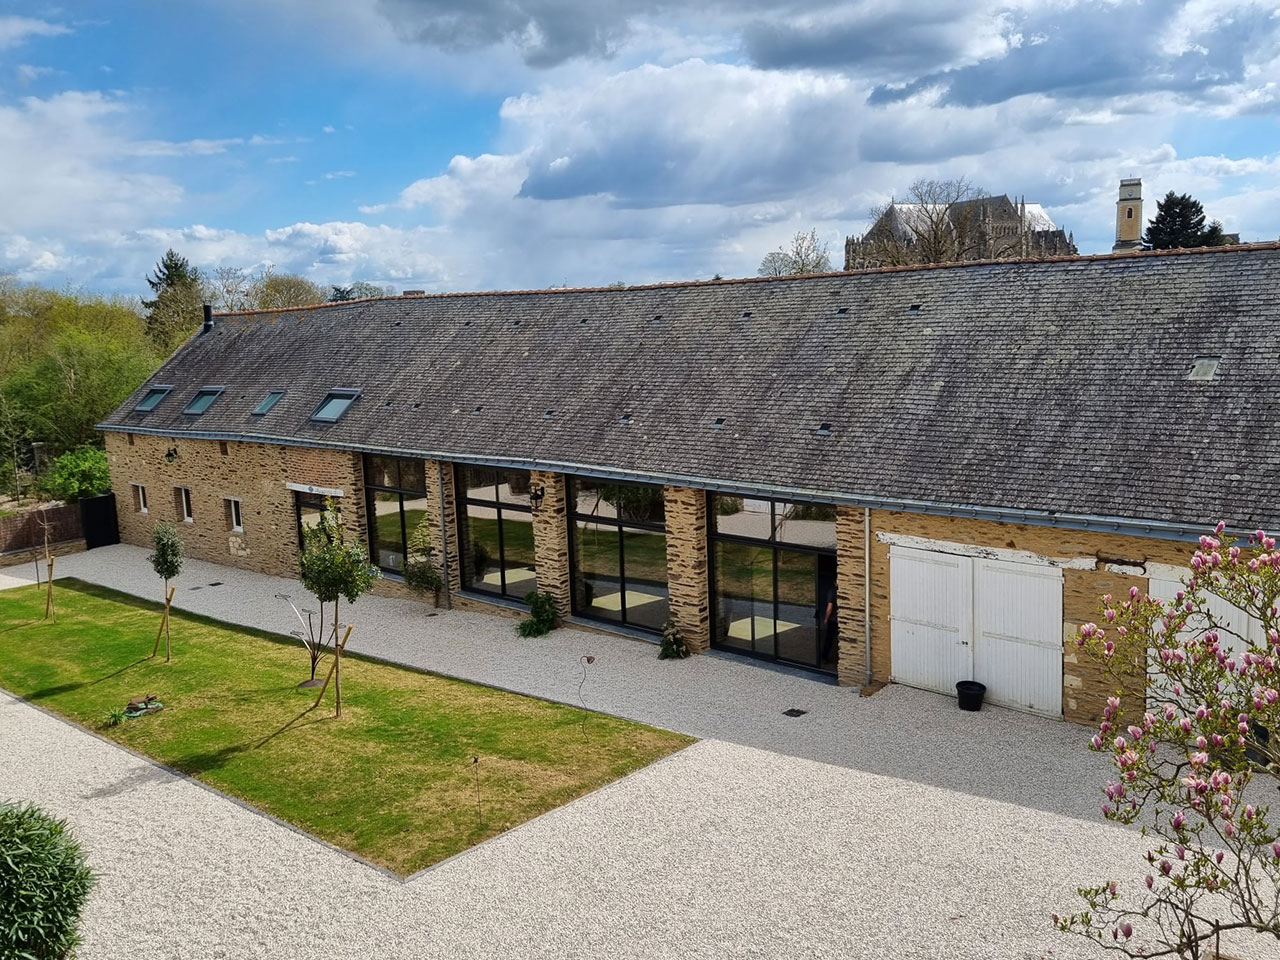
(489, 144)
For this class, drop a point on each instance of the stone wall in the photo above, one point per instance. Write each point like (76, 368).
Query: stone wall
(687, 576)
(254, 473)
(551, 539)
(1085, 689)
(851, 666)
(440, 488)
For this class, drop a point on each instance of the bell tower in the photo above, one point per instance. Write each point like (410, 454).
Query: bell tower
(1129, 216)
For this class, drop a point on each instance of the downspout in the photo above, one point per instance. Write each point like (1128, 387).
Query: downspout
(866, 588)
(444, 540)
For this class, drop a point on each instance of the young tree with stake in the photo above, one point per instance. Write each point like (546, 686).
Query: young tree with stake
(331, 568)
(166, 560)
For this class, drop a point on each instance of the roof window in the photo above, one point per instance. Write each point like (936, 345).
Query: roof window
(267, 402)
(151, 399)
(202, 401)
(334, 405)
(1204, 368)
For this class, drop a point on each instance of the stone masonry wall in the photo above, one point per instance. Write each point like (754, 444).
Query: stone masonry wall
(687, 580)
(851, 593)
(440, 478)
(1085, 689)
(254, 473)
(551, 539)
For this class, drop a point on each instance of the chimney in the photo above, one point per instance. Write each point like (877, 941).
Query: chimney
(1129, 216)
(414, 293)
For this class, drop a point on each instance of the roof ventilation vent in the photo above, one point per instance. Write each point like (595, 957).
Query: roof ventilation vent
(548, 414)
(746, 314)
(625, 419)
(1204, 368)
(396, 323)
(583, 321)
(914, 308)
(478, 408)
(418, 405)
(842, 310)
(824, 430)
(466, 323)
(719, 422)
(656, 318)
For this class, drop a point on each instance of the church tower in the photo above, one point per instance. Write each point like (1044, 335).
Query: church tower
(1129, 216)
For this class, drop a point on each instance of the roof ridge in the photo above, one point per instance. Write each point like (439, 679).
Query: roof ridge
(789, 278)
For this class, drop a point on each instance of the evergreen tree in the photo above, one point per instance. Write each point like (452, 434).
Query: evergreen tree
(176, 310)
(1180, 222)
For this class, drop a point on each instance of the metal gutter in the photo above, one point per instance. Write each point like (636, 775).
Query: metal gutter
(1073, 521)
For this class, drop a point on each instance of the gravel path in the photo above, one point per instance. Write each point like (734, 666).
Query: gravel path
(908, 734)
(719, 851)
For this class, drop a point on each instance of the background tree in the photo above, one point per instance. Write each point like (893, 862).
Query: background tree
(78, 473)
(1192, 736)
(227, 289)
(166, 560)
(175, 312)
(937, 222)
(806, 254)
(360, 290)
(269, 290)
(1180, 222)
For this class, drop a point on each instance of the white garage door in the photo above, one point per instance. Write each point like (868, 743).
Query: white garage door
(963, 618)
(1238, 630)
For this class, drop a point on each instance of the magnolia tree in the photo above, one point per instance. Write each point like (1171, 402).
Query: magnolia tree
(1189, 735)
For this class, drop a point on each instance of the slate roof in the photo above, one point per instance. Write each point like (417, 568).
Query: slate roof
(1058, 387)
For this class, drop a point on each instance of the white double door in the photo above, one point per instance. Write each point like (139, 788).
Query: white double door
(999, 622)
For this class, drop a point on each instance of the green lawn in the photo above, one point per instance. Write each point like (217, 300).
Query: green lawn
(392, 780)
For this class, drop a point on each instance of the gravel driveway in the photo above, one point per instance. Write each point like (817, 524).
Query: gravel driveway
(927, 833)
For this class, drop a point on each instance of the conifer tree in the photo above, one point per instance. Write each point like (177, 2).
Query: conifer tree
(176, 309)
(1180, 222)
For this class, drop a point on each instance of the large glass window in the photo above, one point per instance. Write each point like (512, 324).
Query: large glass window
(774, 579)
(619, 552)
(396, 488)
(496, 525)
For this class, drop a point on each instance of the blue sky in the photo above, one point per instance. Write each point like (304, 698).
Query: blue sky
(478, 144)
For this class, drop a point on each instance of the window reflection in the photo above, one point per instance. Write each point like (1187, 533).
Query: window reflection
(497, 531)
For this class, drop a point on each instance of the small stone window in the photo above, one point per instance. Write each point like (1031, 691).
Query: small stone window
(222, 447)
(232, 515)
(130, 439)
(139, 497)
(1128, 214)
(182, 504)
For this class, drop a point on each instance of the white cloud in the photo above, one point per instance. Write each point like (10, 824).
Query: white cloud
(339, 174)
(28, 74)
(15, 30)
(327, 128)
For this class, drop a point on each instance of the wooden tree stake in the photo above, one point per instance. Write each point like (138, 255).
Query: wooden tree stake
(164, 625)
(49, 611)
(334, 669)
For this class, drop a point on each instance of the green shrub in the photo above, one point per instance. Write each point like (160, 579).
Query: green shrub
(115, 717)
(44, 883)
(673, 645)
(542, 615)
(728, 506)
(423, 576)
(78, 473)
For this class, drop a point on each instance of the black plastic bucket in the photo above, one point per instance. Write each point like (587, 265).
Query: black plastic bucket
(970, 694)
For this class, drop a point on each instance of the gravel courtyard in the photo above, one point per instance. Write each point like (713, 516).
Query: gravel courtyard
(922, 833)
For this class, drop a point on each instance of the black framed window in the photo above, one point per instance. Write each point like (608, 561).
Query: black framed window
(773, 579)
(396, 488)
(618, 551)
(307, 508)
(496, 530)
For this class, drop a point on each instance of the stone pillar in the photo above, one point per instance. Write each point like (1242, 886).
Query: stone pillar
(851, 594)
(444, 537)
(551, 539)
(687, 565)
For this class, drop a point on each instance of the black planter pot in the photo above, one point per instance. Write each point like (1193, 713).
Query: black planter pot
(970, 694)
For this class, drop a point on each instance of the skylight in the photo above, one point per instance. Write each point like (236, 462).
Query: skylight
(334, 405)
(1204, 368)
(152, 399)
(269, 401)
(202, 401)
